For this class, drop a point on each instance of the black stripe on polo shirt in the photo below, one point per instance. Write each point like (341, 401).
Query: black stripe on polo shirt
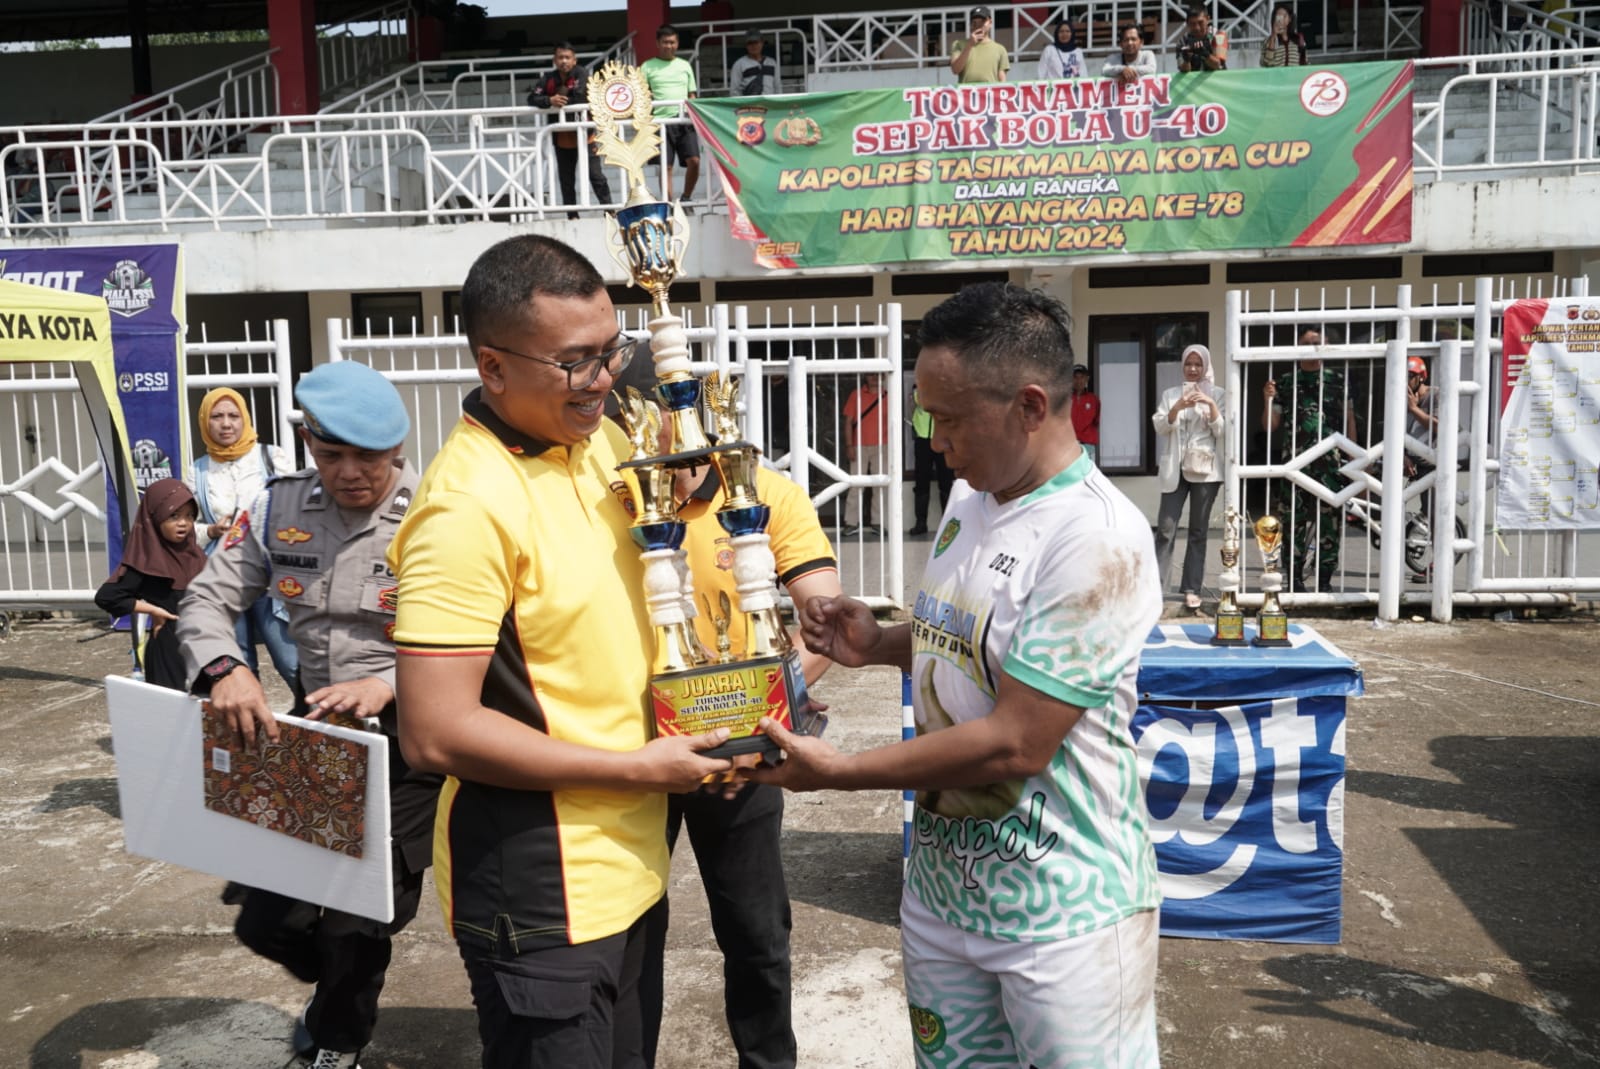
(807, 568)
(475, 408)
(506, 872)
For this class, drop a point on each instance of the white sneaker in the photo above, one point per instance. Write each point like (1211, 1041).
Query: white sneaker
(323, 1058)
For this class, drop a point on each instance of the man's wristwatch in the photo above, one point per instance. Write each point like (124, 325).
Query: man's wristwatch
(214, 672)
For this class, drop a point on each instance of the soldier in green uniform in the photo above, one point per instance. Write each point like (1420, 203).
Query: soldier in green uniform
(1317, 399)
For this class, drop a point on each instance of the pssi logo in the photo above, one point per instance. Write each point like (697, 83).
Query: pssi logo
(144, 381)
(127, 289)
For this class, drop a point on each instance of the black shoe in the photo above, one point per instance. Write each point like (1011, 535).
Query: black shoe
(916, 531)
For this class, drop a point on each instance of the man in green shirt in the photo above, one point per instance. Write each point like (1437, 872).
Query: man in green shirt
(671, 78)
(979, 58)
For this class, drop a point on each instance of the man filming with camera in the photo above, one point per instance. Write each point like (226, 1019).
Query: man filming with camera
(1201, 49)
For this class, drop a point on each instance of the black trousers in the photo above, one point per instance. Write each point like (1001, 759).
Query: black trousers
(567, 1007)
(567, 175)
(345, 955)
(930, 468)
(736, 844)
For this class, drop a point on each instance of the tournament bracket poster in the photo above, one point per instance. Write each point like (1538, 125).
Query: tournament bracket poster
(143, 287)
(1292, 157)
(1550, 416)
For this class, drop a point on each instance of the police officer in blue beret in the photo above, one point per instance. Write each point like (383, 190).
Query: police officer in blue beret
(316, 539)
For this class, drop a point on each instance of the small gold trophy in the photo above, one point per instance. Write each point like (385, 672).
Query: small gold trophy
(1272, 623)
(692, 691)
(1229, 625)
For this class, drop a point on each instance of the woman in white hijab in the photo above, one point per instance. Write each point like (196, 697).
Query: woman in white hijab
(1189, 424)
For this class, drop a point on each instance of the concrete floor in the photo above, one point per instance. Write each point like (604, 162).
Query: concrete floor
(1471, 888)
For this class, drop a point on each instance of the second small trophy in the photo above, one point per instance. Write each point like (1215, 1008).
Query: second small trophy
(1229, 626)
(1272, 623)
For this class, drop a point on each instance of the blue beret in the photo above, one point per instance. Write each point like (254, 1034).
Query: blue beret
(348, 403)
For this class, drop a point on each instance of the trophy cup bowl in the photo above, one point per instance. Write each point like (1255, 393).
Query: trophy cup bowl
(1272, 623)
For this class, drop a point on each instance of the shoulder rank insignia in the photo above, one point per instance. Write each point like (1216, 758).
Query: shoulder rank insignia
(290, 587)
(238, 532)
(292, 535)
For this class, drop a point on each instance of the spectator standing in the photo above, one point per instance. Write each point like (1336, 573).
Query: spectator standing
(1028, 920)
(1201, 49)
(318, 537)
(930, 467)
(523, 670)
(1062, 58)
(1085, 413)
(866, 432)
(1188, 422)
(564, 87)
(1314, 399)
(236, 467)
(978, 57)
(672, 81)
(1285, 46)
(160, 558)
(1133, 60)
(754, 74)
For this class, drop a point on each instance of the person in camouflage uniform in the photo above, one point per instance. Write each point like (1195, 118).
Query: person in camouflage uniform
(1317, 398)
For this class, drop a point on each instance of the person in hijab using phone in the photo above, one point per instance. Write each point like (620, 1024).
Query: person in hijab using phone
(1188, 422)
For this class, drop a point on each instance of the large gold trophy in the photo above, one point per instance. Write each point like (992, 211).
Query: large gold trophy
(692, 690)
(1272, 623)
(1229, 625)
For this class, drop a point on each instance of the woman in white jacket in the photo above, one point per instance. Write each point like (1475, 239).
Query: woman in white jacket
(1189, 423)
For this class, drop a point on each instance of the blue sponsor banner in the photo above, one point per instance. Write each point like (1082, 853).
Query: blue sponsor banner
(1245, 786)
(143, 287)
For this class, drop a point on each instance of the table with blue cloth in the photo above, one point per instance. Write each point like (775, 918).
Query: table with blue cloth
(1241, 751)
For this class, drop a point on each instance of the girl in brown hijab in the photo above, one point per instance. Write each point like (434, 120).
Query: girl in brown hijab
(159, 559)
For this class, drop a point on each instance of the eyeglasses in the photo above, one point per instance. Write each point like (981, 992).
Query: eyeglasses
(582, 373)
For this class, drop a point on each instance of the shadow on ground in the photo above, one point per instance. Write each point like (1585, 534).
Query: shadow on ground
(199, 1033)
(855, 873)
(1424, 1010)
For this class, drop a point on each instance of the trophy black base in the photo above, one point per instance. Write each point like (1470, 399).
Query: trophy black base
(1272, 629)
(1229, 630)
(736, 695)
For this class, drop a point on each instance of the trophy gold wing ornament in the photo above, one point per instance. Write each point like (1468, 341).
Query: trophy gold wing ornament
(617, 92)
(722, 397)
(641, 421)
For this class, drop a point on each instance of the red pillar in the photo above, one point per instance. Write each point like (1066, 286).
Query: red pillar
(1441, 28)
(427, 38)
(644, 16)
(292, 30)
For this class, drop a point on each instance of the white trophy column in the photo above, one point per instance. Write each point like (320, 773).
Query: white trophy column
(663, 592)
(755, 572)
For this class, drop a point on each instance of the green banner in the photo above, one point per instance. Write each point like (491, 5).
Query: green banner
(1041, 170)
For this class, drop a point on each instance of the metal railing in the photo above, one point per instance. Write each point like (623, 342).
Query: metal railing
(438, 85)
(1532, 111)
(1515, 28)
(1455, 556)
(245, 87)
(364, 46)
(1493, 114)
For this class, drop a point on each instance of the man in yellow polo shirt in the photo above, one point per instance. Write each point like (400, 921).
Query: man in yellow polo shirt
(523, 664)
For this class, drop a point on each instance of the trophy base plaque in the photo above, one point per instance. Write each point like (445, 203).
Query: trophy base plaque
(735, 696)
(1229, 629)
(1272, 629)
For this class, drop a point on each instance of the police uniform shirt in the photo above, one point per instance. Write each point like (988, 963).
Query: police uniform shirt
(520, 550)
(325, 564)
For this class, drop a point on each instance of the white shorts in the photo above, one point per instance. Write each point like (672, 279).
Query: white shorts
(1083, 1003)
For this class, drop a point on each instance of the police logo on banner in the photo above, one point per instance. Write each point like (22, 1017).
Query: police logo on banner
(128, 290)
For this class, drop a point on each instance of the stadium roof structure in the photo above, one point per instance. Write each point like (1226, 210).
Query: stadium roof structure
(55, 20)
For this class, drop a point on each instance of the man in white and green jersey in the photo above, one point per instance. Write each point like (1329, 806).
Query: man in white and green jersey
(672, 79)
(1028, 919)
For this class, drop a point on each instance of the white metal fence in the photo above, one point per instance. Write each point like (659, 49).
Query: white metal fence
(796, 379)
(1437, 497)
